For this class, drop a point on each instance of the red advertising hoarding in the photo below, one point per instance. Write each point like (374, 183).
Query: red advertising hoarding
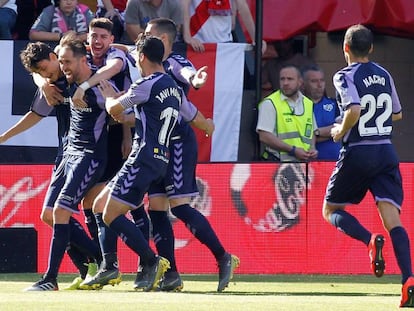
(267, 214)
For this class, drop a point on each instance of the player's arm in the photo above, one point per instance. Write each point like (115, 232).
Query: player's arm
(351, 117)
(126, 146)
(112, 104)
(27, 121)
(112, 67)
(203, 123)
(51, 92)
(397, 116)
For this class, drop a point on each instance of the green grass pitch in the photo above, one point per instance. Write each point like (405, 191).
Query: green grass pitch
(245, 292)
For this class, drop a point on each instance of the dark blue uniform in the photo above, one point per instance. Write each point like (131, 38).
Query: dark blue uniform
(180, 179)
(85, 155)
(62, 111)
(156, 100)
(368, 160)
(122, 81)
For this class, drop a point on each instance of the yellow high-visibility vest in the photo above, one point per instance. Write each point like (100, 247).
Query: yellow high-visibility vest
(295, 130)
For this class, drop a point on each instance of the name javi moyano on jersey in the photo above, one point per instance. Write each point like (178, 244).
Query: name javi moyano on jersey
(168, 92)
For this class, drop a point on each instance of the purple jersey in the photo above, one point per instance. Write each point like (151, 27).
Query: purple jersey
(156, 100)
(122, 79)
(372, 87)
(62, 111)
(88, 126)
(180, 69)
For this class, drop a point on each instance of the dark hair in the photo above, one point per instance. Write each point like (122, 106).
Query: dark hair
(151, 47)
(102, 22)
(34, 53)
(71, 41)
(359, 39)
(165, 25)
(292, 66)
(310, 68)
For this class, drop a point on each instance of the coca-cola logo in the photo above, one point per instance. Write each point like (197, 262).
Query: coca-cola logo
(14, 197)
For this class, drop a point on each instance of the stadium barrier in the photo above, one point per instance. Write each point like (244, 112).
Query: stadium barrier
(18, 250)
(268, 214)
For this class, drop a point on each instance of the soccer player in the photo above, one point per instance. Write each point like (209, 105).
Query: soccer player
(84, 157)
(368, 160)
(176, 192)
(109, 64)
(39, 59)
(156, 100)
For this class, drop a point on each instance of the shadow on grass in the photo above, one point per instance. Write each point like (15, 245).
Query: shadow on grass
(304, 293)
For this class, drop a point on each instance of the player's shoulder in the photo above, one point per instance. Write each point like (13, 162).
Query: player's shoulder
(180, 59)
(157, 77)
(114, 53)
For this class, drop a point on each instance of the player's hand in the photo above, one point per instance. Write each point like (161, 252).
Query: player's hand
(52, 94)
(336, 132)
(126, 147)
(120, 118)
(107, 90)
(200, 77)
(77, 98)
(210, 127)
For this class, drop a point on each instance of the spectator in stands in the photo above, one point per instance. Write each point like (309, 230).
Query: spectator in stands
(286, 122)
(55, 20)
(139, 12)
(114, 10)
(213, 21)
(8, 15)
(326, 112)
(286, 54)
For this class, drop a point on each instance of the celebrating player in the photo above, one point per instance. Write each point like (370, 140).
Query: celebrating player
(368, 160)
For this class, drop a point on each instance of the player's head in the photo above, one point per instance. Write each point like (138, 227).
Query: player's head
(163, 28)
(290, 80)
(358, 41)
(313, 82)
(72, 57)
(38, 57)
(150, 53)
(100, 36)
